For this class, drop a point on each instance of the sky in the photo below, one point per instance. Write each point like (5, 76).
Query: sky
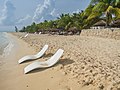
(24, 12)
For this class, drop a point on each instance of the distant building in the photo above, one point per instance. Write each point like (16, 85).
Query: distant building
(99, 25)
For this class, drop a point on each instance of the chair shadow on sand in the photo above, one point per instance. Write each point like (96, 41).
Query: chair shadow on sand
(48, 55)
(64, 62)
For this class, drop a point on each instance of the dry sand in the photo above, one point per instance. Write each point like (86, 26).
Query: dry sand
(88, 63)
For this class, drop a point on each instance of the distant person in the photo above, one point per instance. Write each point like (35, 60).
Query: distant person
(16, 29)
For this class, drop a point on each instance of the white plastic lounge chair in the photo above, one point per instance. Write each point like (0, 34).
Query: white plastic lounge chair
(45, 64)
(31, 57)
(24, 36)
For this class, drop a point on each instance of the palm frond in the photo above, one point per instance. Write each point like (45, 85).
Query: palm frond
(116, 12)
(117, 2)
(88, 10)
(94, 15)
(109, 9)
(95, 1)
(99, 7)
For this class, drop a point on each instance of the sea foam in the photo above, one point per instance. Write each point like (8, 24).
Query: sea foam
(6, 44)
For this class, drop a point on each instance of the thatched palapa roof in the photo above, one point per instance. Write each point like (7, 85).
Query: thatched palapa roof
(116, 23)
(100, 23)
(73, 29)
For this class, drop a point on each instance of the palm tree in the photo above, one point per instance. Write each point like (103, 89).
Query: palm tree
(64, 21)
(100, 8)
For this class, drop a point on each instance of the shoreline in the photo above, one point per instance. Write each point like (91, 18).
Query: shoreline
(10, 71)
(9, 47)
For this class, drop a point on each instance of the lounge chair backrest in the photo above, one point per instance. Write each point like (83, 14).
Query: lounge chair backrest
(54, 59)
(42, 51)
(26, 35)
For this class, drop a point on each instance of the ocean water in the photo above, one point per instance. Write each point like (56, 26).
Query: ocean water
(4, 42)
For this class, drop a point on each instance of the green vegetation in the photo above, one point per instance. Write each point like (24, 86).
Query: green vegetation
(107, 10)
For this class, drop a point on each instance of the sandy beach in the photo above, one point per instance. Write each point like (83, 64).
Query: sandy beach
(89, 62)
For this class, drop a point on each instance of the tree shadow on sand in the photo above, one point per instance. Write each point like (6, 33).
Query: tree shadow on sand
(64, 62)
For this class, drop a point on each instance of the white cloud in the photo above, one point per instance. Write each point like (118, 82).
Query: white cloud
(25, 20)
(55, 13)
(77, 11)
(8, 18)
(8, 14)
(45, 11)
